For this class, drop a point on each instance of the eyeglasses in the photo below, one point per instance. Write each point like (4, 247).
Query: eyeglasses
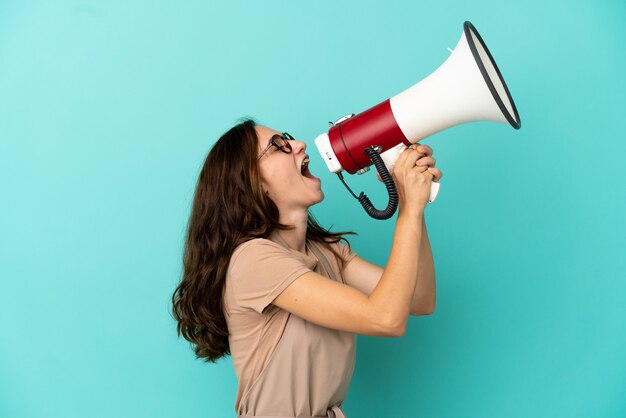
(280, 141)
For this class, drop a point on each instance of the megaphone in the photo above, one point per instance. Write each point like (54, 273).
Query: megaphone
(467, 87)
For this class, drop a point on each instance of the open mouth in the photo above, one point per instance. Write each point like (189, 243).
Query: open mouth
(304, 169)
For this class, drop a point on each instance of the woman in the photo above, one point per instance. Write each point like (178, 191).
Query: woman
(262, 281)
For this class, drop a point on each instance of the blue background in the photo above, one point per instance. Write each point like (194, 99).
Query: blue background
(107, 111)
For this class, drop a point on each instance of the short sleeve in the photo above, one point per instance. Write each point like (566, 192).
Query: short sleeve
(345, 252)
(260, 270)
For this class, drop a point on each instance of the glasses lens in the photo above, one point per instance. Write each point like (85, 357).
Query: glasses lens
(282, 142)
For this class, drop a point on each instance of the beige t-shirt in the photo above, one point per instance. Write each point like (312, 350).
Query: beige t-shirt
(285, 365)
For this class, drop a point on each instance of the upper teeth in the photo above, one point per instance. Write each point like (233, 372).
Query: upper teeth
(305, 163)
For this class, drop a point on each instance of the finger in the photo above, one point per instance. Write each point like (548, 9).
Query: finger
(401, 162)
(416, 148)
(436, 173)
(429, 161)
(411, 157)
(420, 168)
(402, 156)
(424, 149)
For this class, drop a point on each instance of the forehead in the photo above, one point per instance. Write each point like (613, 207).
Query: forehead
(265, 134)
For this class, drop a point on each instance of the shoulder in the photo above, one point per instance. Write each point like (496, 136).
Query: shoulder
(257, 247)
(260, 251)
(259, 270)
(344, 250)
(257, 244)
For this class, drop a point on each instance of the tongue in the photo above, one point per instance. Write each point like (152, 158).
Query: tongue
(307, 173)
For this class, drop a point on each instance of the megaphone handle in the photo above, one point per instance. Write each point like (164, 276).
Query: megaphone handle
(391, 155)
(434, 191)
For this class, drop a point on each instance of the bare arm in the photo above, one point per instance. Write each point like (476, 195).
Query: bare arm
(364, 276)
(383, 313)
(386, 310)
(424, 298)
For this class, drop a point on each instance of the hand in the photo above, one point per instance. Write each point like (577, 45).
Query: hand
(428, 160)
(413, 174)
(425, 152)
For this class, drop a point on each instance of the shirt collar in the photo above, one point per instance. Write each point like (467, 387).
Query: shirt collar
(308, 259)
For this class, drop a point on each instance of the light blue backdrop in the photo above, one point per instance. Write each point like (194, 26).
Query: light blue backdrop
(107, 111)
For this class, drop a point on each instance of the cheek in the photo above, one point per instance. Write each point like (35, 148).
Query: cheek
(280, 177)
(275, 181)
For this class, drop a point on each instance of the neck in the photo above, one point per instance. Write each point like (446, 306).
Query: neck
(296, 237)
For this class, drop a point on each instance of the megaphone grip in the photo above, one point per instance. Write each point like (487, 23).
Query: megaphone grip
(434, 191)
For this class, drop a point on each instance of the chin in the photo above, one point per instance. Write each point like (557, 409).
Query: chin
(322, 196)
(319, 199)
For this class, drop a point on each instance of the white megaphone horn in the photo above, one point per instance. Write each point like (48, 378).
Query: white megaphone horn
(467, 87)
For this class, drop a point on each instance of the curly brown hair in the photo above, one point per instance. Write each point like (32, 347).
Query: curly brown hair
(229, 208)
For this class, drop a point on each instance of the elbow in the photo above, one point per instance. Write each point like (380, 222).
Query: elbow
(397, 329)
(429, 311)
(425, 310)
(388, 323)
(397, 332)
(432, 308)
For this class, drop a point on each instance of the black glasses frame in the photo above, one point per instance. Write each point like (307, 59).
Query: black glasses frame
(286, 147)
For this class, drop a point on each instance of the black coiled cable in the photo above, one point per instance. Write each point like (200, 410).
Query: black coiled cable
(389, 184)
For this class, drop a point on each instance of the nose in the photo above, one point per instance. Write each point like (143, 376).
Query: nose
(298, 146)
